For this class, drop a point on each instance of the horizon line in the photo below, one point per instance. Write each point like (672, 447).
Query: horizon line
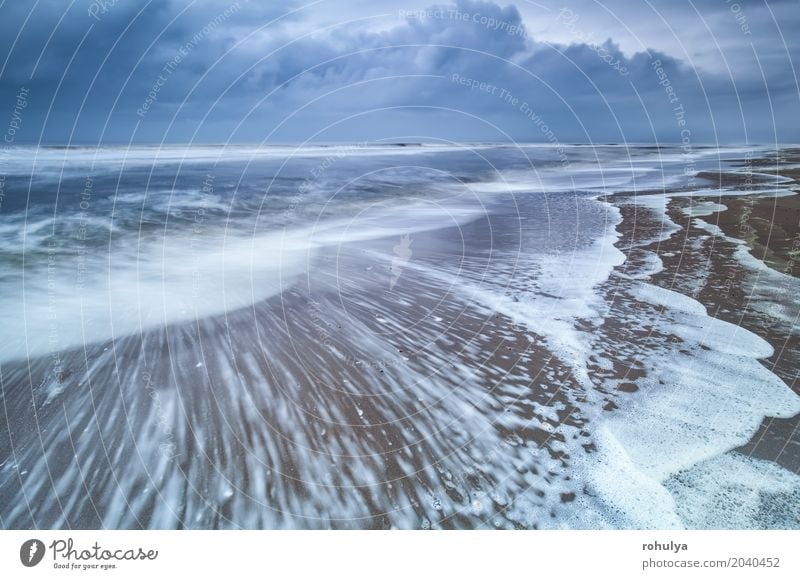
(366, 142)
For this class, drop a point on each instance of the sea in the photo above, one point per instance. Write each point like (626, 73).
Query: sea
(376, 335)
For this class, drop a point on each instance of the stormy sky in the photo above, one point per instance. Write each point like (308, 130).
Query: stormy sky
(215, 71)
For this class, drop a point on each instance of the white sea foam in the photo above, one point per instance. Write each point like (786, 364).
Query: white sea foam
(703, 209)
(561, 292)
(649, 265)
(26, 160)
(622, 494)
(703, 397)
(770, 292)
(761, 495)
(85, 297)
(656, 204)
(561, 180)
(88, 298)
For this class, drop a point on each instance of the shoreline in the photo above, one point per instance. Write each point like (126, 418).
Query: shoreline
(562, 361)
(701, 258)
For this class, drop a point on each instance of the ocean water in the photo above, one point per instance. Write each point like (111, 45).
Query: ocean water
(373, 336)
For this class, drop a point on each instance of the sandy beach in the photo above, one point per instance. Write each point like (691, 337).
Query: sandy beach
(512, 352)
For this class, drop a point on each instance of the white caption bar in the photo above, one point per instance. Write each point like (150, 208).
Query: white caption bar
(353, 554)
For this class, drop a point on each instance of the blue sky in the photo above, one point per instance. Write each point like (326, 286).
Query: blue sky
(583, 71)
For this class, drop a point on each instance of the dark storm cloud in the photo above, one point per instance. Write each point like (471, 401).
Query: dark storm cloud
(84, 65)
(214, 71)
